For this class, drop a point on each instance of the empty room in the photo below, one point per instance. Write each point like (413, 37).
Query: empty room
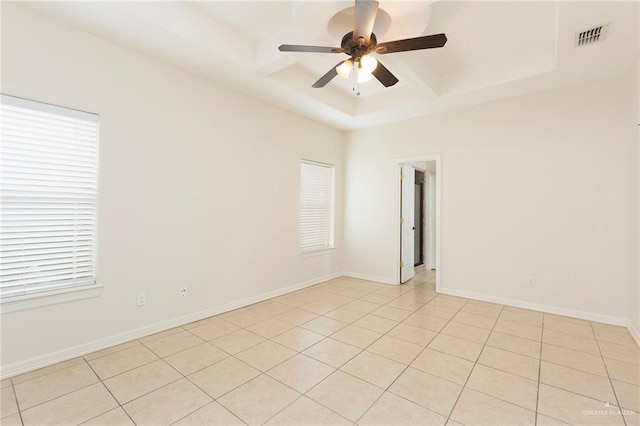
(299, 212)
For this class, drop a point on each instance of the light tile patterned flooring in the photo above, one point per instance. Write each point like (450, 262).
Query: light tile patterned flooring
(348, 352)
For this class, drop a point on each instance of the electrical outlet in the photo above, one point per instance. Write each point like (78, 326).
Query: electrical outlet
(142, 299)
(183, 291)
(531, 282)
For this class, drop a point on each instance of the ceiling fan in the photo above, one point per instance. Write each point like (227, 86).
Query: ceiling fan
(360, 43)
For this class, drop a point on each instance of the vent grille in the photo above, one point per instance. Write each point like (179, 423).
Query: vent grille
(591, 36)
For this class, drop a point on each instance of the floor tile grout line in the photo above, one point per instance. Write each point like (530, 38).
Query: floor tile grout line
(139, 339)
(149, 392)
(493, 396)
(453, 407)
(386, 333)
(574, 393)
(301, 394)
(102, 381)
(406, 399)
(159, 358)
(510, 351)
(128, 369)
(274, 366)
(185, 349)
(112, 396)
(613, 389)
(539, 371)
(340, 369)
(464, 338)
(114, 352)
(633, 346)
(361, 350)
(213, 401)
(515, 335)
(574, 368)
(15, 396)
(344, 372)
(265, 372)
(59, 396)
(580, 371)
(46, 374)
(409, 364)
(182, 326)
(260, 373)
(474, 364)
(182, 376)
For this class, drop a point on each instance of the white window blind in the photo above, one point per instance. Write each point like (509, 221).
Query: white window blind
(48, 194)
(316, 206)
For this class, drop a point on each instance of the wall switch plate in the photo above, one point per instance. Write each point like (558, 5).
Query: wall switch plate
(183, 291)
(142, 299)
(531, 282)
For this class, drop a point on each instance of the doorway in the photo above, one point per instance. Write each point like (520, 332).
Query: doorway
(418, 209)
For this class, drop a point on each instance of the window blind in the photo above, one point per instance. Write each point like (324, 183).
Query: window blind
(48, 195)
(316, 206)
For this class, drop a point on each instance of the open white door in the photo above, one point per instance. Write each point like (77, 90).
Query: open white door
(407, 222)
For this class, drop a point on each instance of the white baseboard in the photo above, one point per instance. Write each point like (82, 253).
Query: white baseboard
(634, 333)
(536, 307)
(382, 280)
(31, 364)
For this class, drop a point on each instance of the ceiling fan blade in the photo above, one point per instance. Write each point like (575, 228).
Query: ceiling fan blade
(311, 49)
(384, 76)
(417, 43)
(327, 77)
(365, 16)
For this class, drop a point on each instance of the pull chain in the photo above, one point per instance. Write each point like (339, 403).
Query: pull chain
(356, 84)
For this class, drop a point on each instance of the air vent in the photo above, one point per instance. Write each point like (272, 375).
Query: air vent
(591, 36)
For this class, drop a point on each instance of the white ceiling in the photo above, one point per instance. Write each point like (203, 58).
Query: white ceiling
(495, 49)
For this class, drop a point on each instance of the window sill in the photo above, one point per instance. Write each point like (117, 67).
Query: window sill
(31, 301)
(317, 251)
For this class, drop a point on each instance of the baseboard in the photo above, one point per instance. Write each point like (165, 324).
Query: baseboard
(536, 307)
(634, 333)
(31, 364)
(382, 280)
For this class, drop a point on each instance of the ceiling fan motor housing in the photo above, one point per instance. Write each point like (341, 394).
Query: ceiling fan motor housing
(358, 48)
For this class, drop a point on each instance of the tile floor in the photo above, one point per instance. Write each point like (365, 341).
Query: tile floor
(348, 352)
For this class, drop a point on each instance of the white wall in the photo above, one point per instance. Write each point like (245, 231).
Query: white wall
(634, 210)
(534, 185)
(198, 186)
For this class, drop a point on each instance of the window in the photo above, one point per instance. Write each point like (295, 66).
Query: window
(48, 194)
(316, 206)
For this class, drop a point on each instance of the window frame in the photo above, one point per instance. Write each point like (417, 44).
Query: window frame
(61, 294)
(318, 249)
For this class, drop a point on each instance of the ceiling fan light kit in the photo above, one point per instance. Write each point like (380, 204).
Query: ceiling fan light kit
(368, 63)
(363, 77)
(344, 69)
(360, 43)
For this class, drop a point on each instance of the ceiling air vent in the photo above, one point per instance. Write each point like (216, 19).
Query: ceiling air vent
(591, 36)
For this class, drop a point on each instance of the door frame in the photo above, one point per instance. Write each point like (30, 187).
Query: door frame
(397, 203)
(422, 216)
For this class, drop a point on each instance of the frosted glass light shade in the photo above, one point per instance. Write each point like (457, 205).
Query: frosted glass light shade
(344, 69)
(368, 63)
(363, 76)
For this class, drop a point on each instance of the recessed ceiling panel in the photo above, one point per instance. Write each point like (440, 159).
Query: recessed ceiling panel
(495, 49)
